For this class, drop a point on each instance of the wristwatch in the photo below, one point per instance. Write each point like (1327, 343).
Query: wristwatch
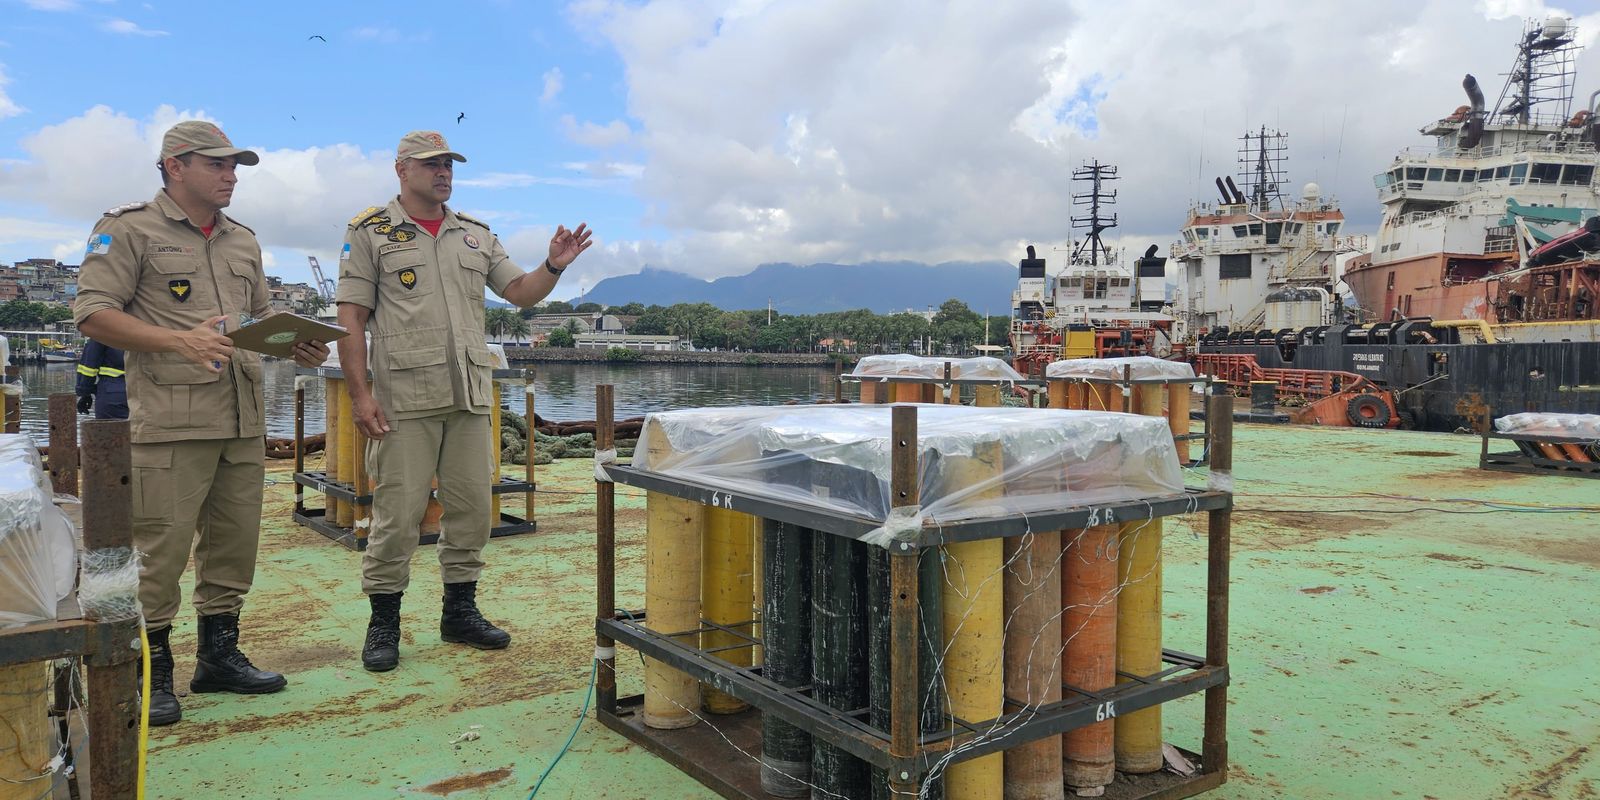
(553, 270)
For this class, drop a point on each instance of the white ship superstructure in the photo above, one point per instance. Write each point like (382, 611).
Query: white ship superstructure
(1095, 292)
(1253, 260)
(1498, 184)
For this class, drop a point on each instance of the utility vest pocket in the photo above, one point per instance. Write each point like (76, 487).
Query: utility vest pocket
(181, 391)
(419, 379)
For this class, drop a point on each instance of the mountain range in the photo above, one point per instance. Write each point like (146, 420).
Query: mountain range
(884, 287)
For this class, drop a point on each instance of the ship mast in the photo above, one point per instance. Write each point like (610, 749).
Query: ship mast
(1543, 73)
(1261, 167)
(1096, 174)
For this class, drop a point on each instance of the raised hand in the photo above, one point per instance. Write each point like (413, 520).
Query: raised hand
(566, 245)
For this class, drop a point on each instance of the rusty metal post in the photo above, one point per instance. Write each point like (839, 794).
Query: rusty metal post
(904, 561)
(1219, 427)
(605, 514)
(300, 445)
(64, 443)
(113, 685)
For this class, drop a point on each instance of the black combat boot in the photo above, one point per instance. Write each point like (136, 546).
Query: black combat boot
(164, 708)
(381, 653)
(220, 667)
(462, 621)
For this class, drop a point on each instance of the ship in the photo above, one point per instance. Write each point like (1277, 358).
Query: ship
(1254, 259)
(1479, 299)
(1099, 304)
(1498, 220)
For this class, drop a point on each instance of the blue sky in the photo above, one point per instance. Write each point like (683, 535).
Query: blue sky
(711, 136)
(521, 72)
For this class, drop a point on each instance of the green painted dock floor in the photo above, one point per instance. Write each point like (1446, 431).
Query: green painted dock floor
(1381, 647)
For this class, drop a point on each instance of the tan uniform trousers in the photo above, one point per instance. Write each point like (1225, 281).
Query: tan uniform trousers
(209, 487)
(454, 446)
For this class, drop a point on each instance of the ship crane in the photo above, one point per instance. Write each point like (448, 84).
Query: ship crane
(324, 286)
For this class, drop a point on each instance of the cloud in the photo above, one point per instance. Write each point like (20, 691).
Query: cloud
(552, 86)
(849, 132)
(8, 107)
(294, 199)
(128, 28)
(612, 134)
(52, 5)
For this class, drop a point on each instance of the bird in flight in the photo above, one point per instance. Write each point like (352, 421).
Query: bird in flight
(461, 116)
(315, 36)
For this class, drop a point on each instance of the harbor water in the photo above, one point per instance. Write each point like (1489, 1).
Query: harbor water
(564, 392)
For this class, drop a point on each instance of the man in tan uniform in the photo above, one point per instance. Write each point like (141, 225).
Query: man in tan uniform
(412, 275)
(159, 280)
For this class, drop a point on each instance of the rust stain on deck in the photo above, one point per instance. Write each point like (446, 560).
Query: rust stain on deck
(476, 780)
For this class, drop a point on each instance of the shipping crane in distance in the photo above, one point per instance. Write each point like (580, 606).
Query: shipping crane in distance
(324, 286)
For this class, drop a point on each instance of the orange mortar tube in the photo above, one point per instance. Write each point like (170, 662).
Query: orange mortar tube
(1089, 661)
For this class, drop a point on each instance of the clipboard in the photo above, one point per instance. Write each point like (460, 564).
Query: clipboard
(278, 334)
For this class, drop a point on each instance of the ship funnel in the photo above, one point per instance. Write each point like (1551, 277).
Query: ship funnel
(1472, 132)
(1031, 256)
(1226, 200)
(1238, 196)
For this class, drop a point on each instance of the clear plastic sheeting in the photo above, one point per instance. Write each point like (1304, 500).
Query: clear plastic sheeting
(38, 551)
(1140, 368)
(975, 462)
(908, 366)
(1567, 426)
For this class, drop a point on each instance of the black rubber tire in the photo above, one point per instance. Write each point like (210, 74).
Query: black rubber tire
(1408, 420)
(1367, 411)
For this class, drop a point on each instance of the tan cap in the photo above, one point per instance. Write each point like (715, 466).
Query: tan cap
(425, 144)
(195, 136)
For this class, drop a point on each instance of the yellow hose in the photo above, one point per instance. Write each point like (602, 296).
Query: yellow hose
(144, 710)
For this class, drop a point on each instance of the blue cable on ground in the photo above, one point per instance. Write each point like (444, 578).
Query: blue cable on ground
(593, 670)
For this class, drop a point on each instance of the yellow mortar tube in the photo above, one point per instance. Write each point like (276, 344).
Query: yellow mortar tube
(347, 454)
(673, 529)
(1179, 396)
(1138, 734)
(727, 593)
(974, 631)
(974, 622)
(330, 445)
(25, 742)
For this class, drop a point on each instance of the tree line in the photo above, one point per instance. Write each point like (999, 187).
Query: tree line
(955, 327)
(29, 315)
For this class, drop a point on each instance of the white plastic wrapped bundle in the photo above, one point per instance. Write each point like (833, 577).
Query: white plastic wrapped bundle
(38, 552)
(1141, 368)
(498, 353)
(838, 457)
(1573, 426)
(908, 366)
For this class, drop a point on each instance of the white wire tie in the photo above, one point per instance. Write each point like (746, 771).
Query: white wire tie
(603, 653)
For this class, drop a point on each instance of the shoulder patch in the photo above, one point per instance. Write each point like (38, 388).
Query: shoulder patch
(477, 222)
(120, 210)
(357, 219)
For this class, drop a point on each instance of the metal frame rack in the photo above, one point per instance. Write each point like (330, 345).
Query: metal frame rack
(1531, 456)
(1040, 388)
(112, 680)
(711, 756)
(318, 481)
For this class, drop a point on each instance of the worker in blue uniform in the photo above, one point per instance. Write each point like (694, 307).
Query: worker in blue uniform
(101, 385)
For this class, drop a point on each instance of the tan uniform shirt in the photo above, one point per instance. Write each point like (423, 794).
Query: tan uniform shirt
(149, 260)
(426, 295)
